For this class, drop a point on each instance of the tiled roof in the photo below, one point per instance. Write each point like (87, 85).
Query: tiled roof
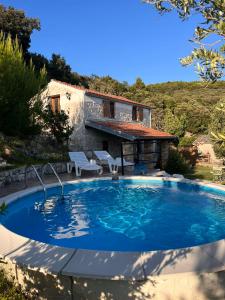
(132, 131)
(103, 95)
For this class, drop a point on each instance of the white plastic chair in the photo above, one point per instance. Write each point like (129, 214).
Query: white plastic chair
(105, 158)
(82, 163)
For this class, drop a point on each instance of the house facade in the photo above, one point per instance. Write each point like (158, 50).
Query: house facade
(107, 122)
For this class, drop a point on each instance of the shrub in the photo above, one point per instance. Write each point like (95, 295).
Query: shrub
(58, 124)
(19, 86)
(8, 291)
(186, 141)
(177, 164)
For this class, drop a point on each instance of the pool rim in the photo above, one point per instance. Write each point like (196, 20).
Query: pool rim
(117, 265)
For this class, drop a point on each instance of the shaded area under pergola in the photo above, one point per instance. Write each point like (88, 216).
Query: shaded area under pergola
(137, 137)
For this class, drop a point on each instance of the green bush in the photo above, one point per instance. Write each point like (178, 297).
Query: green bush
(186, 141)
(177, 164)
(20, 87)
(8, 291)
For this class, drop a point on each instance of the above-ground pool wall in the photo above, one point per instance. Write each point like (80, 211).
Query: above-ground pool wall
(180, 286)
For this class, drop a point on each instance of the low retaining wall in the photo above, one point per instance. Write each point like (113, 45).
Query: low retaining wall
(18, 174)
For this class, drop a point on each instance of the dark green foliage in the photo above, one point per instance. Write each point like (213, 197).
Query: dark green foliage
(39, 61)
(58, 124)
(3, 208)
(15, 23)
(217, 128)
(186, 141)
(20, 85)
(58, 69)
(177, 164)
(139, 84)
(8, 291)
(107, 84)
(173, 124)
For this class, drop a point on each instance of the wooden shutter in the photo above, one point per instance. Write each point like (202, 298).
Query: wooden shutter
(105, 109)
(108, 109)
(52, 105)
(55, 104)
(134, 113)
(112, 110)
(140, 114)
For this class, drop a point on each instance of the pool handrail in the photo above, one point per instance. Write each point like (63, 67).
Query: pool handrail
(58, 178)
(39, 178)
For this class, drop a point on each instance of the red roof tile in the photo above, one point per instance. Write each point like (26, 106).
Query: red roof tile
(103, 95)
(135, 129)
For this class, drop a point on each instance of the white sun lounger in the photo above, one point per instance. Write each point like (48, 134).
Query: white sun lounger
(82, 163)
(105, 158)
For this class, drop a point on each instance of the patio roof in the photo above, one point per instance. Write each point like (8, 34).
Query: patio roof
(129, 131)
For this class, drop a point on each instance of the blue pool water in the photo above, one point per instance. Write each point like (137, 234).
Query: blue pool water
(125, 215)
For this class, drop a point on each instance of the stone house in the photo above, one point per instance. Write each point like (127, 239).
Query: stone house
(108, 122)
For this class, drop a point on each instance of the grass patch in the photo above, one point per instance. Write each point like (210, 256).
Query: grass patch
(201, 172)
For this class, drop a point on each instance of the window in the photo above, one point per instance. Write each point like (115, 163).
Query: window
(137, 114)
(108, 109)
(55, 104)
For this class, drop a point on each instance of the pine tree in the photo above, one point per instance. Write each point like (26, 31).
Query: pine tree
(19, 85)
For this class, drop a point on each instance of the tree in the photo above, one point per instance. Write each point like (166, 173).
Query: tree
(107, 84)
(17, 24)
(58, 124)
(173, 124)
(20, 86)
(208, 58)
(57, 68)
(139, 84)
(39, 61)
(217, 127)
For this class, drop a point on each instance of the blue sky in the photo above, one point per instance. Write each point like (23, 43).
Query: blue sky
(125, 39)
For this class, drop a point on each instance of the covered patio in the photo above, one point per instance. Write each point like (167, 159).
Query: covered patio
(146, 147)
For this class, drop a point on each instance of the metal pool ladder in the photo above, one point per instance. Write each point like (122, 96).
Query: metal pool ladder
(58, 178)
(39, 178)
(41, 181)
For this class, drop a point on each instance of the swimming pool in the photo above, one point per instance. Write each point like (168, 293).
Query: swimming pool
(126, 215)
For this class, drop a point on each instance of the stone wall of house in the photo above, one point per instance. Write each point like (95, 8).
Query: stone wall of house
(93, 107)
